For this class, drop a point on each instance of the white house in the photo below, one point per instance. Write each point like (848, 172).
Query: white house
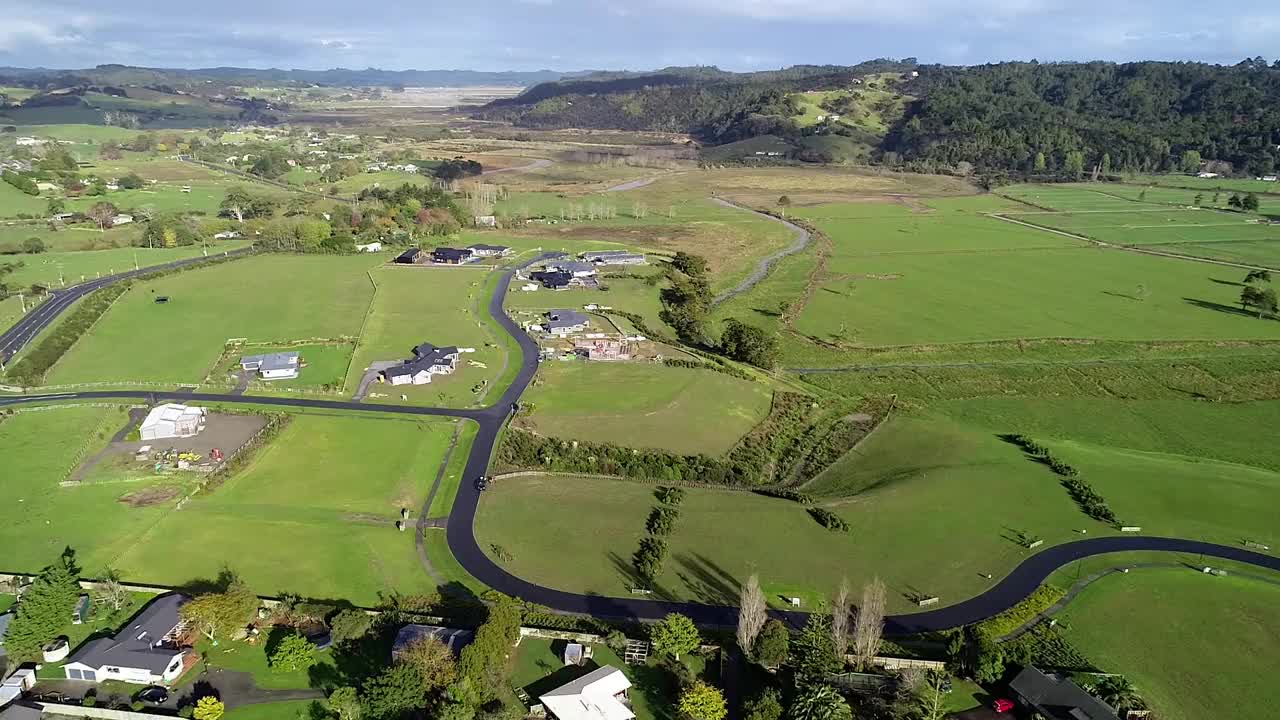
(30, 141)
(482, 250)
(427, 360)
(149, 651)
(46, 187)
(172, 420)
(489, 221)
(226, 235)
(273, 366)
(599, 695)
(372, 247)
(122, 219)
(1208, 175)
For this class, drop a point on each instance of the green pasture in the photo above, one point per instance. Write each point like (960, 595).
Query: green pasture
(53, 268)
(1070, 292)
(1191, 644)
(1184, 197)
(325, 366)
(1158, 226)
(15, 202)
(284, 710)
(313, 513)
(75, 238)
(644, 405)
(1207, 185)
(440, 305)
(79, 132)
(179, 341)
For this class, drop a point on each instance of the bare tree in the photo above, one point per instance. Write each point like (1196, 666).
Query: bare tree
(870, 622)
(840, 619)
(751, 614)
(111, 590)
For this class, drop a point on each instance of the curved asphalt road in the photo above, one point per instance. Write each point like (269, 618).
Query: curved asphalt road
(1020, 583)
(30, 325)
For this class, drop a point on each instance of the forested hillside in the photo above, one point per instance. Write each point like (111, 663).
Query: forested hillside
(1016, 119)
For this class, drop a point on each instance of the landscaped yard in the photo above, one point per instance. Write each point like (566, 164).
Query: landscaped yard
(1192, 644)
(139, 340)
(644, 405)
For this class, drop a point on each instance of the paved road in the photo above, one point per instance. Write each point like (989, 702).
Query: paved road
(1020, 583)
(16, 337)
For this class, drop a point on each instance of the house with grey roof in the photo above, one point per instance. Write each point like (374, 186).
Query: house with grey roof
(614, 257)
(148, 651)
(427, 360)
(566, 322)
(574, 268)
(453, 638)
(483, 250)
(1057, 697)
(273, 366)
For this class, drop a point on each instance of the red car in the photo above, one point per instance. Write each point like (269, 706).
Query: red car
(1002, 705)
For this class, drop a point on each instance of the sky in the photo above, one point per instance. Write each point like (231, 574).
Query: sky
(623, 34)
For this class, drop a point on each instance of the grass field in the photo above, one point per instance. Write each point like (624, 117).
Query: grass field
(326, 298)
(286, 710)
(325, 366)
(311, 514)
(645, 405)
(937, 486)
(1207, 185)
(15, 202)
(442, 306)
(73, 238)
(52, 268)
(1190, 643)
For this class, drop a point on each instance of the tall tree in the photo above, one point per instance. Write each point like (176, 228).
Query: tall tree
(345, 703)
(674, 635)
(236, 202)
(766, 706)
(291, 654)
(813, 654)
(103, 213)
(484, 663)
(45, 609)
(433, 659)
(397, 692)
(772, 646)
(219, 614)
(840, 618)
(870, 622)
(819, 702)
(749, 344)
(752, 614)
(1260, 299)
(701, 701)
(1249, 203)
(1191, 161)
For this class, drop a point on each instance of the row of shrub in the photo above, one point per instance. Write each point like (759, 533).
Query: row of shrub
(829, 520)
(714, 367)
(1024, 612)
(652, 552)
(842, 436)
(791, 495)
(276, 423)
(1089, 500)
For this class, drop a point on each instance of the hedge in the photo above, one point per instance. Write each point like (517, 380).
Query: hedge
(1092, 503)
(31, 368)
(1024, 612)
(791, 495)
(829, 520)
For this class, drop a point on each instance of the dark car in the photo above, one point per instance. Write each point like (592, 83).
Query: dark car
(482, 483)
(154, 695)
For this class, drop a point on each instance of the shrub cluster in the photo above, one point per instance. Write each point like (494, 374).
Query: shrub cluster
(1093, 504)
(829, 520)
(672, 496)
(1015, 617)
(714, 367)
(791, 495)
(652, 552)
(662, 520)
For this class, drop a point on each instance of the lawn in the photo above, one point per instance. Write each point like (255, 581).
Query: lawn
(539, 668)
(53, 268)
(312, 514)
(1182, 639)
(286, 710)
(74, 237)
(138, 340)
(324, 366)
(15, 202)
(937, 486)
(442, 306)
(644, 405)
(627, 295)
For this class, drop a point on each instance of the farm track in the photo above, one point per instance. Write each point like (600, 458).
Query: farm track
(803, 238)
(1131, 248)
(1006, 593)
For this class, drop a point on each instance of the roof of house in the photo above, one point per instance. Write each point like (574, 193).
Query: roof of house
(453, 638)
(272, 361)
(590, 697)
(566, 318)
(409, 254)
(617, 258)
(489, 248)
(135, 645)
(552, 278)
(573, 266)
(593, 254)
(425, 357)
(448, 252)
(1059, 697)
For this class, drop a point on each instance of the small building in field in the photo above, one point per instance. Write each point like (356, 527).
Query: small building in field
(122, 219)
(453, 638)
(1056, 696)
(427, 360)
(273, 366)
(1208, 175)
(599, 695)
(372, 247)
(566, 322)
(149, 651)
(482, 250)
(226, 235)
(47, 187)
(602, 349)
(489, 221)
(451, 256)
(412, 256)
(172, 420)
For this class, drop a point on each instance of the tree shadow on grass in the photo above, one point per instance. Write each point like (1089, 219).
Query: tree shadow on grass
(1232, 283)
(632, 579)
(1219, 307)
(707, 581)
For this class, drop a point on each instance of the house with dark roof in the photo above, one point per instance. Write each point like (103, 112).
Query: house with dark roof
(451, 256)
(148, 651)
(5, 619)
(482, 250)
(453, 638)
(574, 268)
(412, 256)
(552, 279)
(427, 360)
(1057, 697)
(566, 322)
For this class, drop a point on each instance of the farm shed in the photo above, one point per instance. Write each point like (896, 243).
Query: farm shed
(172, 420)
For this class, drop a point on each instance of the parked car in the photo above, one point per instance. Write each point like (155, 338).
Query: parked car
(154, 695)
(1002, 705)
(482, 483)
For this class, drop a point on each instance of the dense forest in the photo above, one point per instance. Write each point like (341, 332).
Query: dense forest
(1016, 119)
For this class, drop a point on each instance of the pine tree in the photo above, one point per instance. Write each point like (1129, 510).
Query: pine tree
(45, 609)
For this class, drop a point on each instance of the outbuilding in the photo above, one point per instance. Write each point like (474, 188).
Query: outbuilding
(172, 420)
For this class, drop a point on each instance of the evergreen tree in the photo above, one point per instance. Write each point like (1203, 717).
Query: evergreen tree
(45, 609)
(813, 654)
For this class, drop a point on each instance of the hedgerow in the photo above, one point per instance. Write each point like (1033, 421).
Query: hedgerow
(1024, 612)
(829, 520)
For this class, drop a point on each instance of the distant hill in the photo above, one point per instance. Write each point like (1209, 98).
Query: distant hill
(141, 76)
(1048, 120)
